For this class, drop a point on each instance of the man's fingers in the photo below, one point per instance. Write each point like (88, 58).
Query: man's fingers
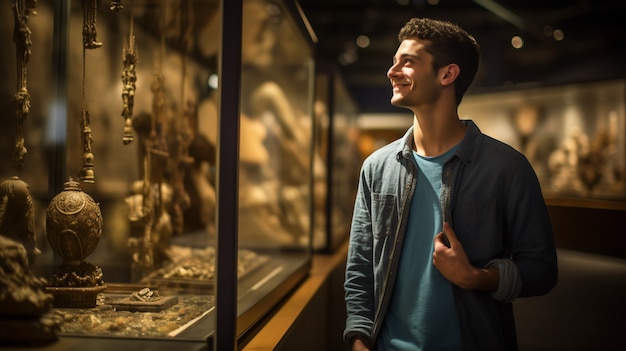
(449, 232)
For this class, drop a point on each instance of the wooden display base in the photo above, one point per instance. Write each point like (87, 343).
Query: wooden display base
(163, 303)
(79, 297)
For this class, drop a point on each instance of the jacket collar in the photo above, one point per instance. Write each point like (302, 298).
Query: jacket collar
(467, 150)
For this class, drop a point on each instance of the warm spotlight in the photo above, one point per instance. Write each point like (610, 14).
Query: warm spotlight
(363, 41)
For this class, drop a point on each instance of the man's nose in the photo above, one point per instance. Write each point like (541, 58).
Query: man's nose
(393, 71)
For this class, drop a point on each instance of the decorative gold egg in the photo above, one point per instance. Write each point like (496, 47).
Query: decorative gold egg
(73, 224)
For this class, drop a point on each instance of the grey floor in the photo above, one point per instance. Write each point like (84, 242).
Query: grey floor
(586, 310)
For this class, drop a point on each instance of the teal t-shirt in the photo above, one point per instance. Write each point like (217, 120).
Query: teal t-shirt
(421, 313)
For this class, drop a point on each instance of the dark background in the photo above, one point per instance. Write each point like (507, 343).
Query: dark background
(593, 47)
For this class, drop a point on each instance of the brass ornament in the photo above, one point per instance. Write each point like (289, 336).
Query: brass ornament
(87, 173)
(22, 9)
(129, 83)
(73, 224)
(73, 229)
(90, 7)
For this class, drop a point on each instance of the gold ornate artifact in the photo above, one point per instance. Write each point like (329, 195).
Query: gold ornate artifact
(87, 173)
(90, 8)
(22, 39)
(74, 226)
(129, 79)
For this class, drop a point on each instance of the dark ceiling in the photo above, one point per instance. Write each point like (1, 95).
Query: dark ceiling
(593, 45)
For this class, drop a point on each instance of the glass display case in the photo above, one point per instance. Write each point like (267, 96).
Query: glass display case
(573, 135)
(118, 106)
(337, 161)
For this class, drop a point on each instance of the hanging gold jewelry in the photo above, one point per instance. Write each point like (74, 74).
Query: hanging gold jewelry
(87, 173)
(90, 8)
(22, 39)
(129, 81)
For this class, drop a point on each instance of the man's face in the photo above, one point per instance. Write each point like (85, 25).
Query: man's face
(412, 77)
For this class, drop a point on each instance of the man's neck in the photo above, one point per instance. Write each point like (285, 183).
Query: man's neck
(435, 134)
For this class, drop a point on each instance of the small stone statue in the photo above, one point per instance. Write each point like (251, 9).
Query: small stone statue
(17, 218)
(26, 315)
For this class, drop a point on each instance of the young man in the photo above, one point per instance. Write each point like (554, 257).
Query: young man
(450, 225)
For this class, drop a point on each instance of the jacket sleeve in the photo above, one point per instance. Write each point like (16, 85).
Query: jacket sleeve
(359, 275)
(531, 237)
(510, 281)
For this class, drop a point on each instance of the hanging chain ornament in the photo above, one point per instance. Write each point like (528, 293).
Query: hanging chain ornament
(90, 41)
(90, 8)
(129, 78)
(22, 39)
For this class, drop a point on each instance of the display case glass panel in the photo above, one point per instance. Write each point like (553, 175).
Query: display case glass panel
(337, 161)
(573, 135)
(124, 118)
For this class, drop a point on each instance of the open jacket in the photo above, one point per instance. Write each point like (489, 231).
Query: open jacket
(492, 198)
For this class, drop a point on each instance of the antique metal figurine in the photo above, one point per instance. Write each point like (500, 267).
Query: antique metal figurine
(87, 173)
(129, 76)
(129, 80)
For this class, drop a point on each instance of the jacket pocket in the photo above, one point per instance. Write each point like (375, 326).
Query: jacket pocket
(384, 214)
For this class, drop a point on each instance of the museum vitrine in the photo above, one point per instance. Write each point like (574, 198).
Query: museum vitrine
(112, 112)
(574, 136)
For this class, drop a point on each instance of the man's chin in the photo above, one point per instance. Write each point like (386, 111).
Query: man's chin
(397, 101)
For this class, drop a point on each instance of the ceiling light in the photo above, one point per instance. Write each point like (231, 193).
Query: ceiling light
(517, 42)
(558, 35)
(363, 41)
(348, 57)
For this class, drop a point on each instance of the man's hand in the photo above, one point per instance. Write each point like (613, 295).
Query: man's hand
(452, 262)
(359, 345)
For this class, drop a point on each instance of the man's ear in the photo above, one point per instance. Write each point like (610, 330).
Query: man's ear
(448, 74)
